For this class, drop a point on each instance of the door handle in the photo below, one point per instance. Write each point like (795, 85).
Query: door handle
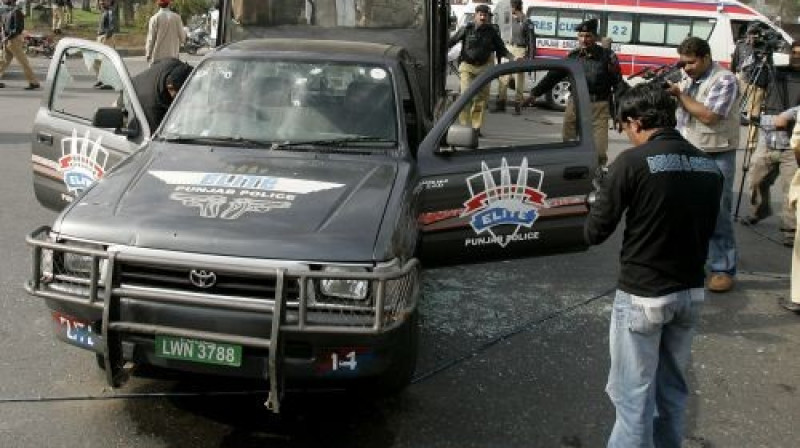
(45, 138)
(576, 172)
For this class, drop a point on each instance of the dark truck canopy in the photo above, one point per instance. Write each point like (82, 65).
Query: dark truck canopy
(419, 26)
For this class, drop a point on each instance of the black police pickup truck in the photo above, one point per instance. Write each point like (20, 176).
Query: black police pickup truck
(272, 226)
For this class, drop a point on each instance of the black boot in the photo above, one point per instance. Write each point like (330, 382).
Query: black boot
(499, 106)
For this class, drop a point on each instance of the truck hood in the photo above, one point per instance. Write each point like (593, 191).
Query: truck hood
(239, 202)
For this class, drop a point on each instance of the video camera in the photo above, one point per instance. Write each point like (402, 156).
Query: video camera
(765, 39)
(661, 74)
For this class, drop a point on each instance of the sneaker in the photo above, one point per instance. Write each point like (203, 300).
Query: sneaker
(720, 282)
(33, 86)
(789, 305)
(106, 87)
(98, 84)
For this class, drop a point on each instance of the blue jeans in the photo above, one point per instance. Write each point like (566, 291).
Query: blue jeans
(651, 342)
(722, 247)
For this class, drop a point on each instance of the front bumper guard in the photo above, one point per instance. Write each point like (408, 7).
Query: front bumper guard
(105, 292)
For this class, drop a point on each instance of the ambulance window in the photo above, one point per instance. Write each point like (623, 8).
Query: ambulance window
(620, 27)
(544, 21)
(678, 30)
(651, 30)
(567, 22)
(702, 28)
(738, 28)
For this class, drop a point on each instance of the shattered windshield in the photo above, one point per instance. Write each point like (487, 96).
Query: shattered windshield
(285, 102)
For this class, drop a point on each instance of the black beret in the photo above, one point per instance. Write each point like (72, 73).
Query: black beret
(483, 8)
(589, 26)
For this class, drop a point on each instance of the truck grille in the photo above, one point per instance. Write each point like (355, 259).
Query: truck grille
(225, 283)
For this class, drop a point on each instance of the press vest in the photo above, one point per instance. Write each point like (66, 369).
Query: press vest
(722, 136)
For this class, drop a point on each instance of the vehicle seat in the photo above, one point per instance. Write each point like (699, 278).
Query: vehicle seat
(370, 109)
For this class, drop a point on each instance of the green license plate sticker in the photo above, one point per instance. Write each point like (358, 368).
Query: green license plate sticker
(196, 350)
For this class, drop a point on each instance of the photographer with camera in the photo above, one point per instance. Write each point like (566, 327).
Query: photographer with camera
(708, 117)
(751, 64)
(773, 160)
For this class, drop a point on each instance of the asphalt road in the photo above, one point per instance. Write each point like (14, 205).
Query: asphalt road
(514, 354)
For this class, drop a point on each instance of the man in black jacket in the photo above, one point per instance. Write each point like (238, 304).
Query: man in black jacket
(12, 47)
(669, 192)
(157, 86)
(480, 41)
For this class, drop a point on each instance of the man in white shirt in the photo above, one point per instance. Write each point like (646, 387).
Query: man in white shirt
(165, 34)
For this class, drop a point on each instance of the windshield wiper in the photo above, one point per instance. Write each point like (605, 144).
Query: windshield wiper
(210, 140)
(334, 142)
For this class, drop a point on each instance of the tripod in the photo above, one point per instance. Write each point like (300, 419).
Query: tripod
(753, 112)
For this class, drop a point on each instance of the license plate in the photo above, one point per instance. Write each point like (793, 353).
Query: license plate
(195, 350)
(74, 331)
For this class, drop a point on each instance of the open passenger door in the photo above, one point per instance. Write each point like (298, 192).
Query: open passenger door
(70, 152)
(520, 188)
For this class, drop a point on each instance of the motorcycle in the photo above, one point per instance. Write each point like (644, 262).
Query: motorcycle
(38, 44)
(197, 39)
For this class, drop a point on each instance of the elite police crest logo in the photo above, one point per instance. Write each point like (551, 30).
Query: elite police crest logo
(496, 201)
(83, 161)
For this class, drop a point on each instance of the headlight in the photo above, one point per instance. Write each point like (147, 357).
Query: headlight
(47, 265)
(80, 265)
(77, 263)
(342, 288)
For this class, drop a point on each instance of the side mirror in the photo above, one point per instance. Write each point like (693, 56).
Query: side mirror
(460, 136)
(113, 118)
(108, 117)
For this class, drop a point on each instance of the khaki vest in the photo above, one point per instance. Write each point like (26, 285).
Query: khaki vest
(723, 136)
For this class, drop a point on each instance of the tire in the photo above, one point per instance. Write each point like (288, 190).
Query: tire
(101, 361)
(401, 371)
(558, 96)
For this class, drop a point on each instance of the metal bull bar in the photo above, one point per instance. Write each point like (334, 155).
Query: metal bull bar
(105, 293)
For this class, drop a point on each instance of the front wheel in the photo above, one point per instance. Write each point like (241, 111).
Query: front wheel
(559, 95)
(401, 372)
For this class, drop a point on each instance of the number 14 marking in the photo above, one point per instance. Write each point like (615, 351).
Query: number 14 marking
(351, 361)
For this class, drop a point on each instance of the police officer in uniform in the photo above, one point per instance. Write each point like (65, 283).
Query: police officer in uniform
(602, 76)
(521, 39)
(480, 40)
